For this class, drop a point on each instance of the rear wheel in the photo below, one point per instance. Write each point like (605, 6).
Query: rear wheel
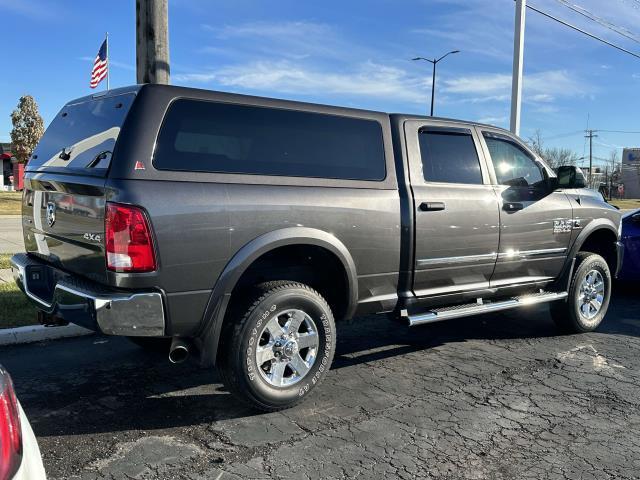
(589, 295)
(280, 348)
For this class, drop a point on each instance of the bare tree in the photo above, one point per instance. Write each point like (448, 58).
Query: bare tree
(560, 157)
(536, 143)
(28, 128)
(555, 157)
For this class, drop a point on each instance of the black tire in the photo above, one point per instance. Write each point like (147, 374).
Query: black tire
(246, 328)
(152, 344)
(569, 316)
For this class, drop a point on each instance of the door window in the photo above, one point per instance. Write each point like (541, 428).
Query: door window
(449, 156)
(513, 165)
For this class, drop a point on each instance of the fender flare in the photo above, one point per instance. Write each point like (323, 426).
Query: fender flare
(216, 309)
(593, 226)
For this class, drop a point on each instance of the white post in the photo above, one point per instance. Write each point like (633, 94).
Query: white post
(518, 59)
(108, 60)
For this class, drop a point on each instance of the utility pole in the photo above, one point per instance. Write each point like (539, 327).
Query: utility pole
(590, 135)
(152, 41)
(518, 61)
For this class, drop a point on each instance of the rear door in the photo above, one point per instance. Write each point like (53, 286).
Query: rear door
(456, 209)
(64, 197)
(535, 222)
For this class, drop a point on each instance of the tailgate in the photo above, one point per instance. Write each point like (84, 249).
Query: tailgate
(63, 222)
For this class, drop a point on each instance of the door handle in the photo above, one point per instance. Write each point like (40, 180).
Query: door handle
(512, 206)
(431, 206)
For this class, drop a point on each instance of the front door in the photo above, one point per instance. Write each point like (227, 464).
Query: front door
(456, 209)
(535, 221)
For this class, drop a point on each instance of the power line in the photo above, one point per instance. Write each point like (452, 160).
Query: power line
(605, 23)
(619, 131)
(584, 32)
(563, 135)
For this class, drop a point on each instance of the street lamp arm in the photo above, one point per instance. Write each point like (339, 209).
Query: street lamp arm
(422, 58)
(446, 54)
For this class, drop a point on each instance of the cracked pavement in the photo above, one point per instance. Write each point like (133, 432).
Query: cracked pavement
(495, 397)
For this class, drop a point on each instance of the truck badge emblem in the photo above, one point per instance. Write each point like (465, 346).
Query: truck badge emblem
(51, 213)
(562, 226)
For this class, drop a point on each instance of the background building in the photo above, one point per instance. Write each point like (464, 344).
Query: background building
(6, 168)
(631, 172)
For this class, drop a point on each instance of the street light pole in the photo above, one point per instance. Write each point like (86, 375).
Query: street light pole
(433, 87)
(433, 81)
(518, 61)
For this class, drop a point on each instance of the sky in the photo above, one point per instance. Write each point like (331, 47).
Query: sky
(353, 53)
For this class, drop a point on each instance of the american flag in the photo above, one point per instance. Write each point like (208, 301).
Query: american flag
(100, 66)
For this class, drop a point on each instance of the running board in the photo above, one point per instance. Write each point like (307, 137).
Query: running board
(447, 313)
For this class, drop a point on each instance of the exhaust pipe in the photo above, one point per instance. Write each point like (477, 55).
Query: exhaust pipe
(179, 350)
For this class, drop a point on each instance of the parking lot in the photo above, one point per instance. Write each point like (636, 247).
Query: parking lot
(500, 396)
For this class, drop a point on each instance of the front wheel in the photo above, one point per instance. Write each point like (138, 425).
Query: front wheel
(280, 348)
(589, 295)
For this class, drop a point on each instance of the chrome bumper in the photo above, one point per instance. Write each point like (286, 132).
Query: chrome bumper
(88, 304)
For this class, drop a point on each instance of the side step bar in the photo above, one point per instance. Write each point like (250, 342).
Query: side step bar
(447, 313)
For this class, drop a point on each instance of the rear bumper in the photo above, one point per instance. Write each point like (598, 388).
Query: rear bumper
(88, 304)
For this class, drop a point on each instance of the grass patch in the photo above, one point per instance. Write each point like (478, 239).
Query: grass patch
(10, 203)
(626, 204)
(4, 260)
(15, 309)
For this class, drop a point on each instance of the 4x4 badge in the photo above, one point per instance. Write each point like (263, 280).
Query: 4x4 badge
(51, 213)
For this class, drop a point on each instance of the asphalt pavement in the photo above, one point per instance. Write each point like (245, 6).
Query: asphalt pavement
(495, 397)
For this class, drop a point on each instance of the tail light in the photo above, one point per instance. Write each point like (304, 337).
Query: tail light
(10, 430)
(128, 239)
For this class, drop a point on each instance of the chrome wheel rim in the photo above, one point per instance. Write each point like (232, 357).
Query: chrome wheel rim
(591, 294)
(287, 348)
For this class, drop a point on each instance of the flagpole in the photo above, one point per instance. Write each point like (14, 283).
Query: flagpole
(108, 61)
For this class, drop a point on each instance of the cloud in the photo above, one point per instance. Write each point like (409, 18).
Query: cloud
(112, 63)
(540, 87)
(287, 39)
(270, 29)
(368, 79)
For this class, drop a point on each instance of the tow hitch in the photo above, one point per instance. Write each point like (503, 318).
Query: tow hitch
(49, 320)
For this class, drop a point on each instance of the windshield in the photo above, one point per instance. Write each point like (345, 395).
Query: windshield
(82, 136)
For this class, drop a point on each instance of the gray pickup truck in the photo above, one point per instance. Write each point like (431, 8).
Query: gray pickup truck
(240, 228)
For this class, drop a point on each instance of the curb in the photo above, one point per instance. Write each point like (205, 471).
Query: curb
(39, 333)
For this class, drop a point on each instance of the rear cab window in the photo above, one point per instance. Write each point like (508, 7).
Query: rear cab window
(82, 136)
(207, 136)
(449, 155)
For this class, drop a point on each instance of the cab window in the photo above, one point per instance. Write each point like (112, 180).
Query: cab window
(513, 165)
(449, 156)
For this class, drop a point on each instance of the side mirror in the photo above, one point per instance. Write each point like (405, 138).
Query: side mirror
(635, 217)
(570, 177)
